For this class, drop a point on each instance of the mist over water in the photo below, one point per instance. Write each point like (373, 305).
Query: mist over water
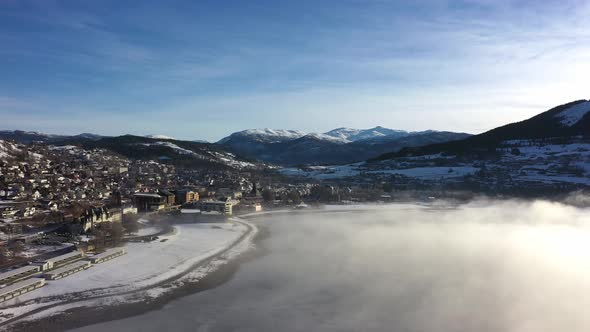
(485, 266)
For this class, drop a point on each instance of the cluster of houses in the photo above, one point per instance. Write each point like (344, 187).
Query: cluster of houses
(162, 200)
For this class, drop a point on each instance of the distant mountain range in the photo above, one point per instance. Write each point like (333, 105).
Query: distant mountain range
(342, 145)
(339, 135)
(569, 122)
(26, 137)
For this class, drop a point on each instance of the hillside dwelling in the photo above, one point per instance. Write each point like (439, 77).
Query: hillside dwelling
(115, 214)
(8, 211)
(21, 287)
(256, 207)
(67, 270)
(129, 210)
(107, 255)
(53, 206)
(28, 211)
(60, 260)
(20, 273)
(94, 215)
(185, 196)
(149, 202)
(221, 207)
(170, 197)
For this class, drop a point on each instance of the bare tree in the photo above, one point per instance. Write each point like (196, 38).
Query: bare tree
(130, 223)
(16, 247)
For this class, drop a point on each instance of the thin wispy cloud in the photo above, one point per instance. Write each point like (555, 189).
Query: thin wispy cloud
(464, 65)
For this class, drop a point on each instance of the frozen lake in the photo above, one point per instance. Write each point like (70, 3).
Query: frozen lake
(483, 267)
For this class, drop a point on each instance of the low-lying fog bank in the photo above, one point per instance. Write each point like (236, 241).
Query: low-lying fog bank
(485, 266)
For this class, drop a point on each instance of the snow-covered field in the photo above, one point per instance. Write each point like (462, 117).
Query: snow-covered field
(144, 231)
(431, 172)
(333, 172)
(34, 250)
(145, 267)
(324, 172)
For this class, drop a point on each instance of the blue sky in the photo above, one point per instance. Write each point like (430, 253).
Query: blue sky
(203, 69)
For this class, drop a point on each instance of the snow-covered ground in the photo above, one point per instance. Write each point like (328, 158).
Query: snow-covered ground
(334, 172)
(149, 230)
(230, 159)
(144, 267)
(324, 172)
(159, 136)
(572, 115)
(34, 250)
(431, 172)
(176, 148)
(8, 149)
(224, 157)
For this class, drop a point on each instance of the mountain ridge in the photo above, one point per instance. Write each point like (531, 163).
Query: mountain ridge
(567, 120)
(340, 145)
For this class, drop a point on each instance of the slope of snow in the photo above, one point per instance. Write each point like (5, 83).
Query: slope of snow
(266, 135)
(324, 172)
(424, 173)
(175, 147)
(431, 172)
(572, 115)
(159, 137)
(225, 158)
(352, 135)
(8, 150)
(275, 132)
(229, 159)
(343, 135)
(329, 138)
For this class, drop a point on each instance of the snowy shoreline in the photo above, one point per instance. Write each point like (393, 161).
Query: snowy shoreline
(158, 270)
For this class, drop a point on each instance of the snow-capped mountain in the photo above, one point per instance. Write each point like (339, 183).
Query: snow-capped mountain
(158, 136)
(353, 135)
(342, 145)
(574, 114)
(265, 135)
(341, 135)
